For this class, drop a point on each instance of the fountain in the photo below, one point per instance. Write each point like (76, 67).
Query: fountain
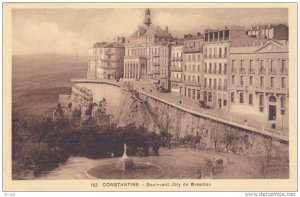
(125, 163)
(125, 168)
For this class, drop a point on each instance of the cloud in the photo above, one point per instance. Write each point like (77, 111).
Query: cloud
(47, 38)
(73, 31)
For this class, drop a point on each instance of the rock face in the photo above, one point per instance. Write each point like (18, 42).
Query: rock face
(124, 109)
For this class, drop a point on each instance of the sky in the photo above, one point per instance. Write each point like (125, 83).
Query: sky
(73, 31)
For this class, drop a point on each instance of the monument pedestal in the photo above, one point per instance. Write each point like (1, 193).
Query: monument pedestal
(125, 164)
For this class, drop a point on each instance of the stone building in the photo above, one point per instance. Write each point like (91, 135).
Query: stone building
(192, 70)
(275, 32)
(143, 51)
(105, 60)
(217, 44)
(176, 68)
(259, 81)
(165, 63)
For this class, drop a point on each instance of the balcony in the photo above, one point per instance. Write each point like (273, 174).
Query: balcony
(272, 71)
(176, 69)
(242, 70)
(251, 71)
(156, 55)
(192, 83)
(156, 63)
(135, 57)
(109, 60)
(174, 79)
(192, 50)
(177, 59)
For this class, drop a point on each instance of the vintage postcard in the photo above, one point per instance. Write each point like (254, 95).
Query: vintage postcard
(150, 97)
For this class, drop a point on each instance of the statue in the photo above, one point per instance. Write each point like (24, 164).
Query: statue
(125, 163)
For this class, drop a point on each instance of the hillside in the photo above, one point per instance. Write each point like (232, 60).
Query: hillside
(38, 79)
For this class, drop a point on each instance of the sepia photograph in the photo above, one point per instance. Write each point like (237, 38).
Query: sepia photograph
(151, 93)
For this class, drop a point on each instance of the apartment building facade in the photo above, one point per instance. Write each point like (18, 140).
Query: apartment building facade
(105, 61)
(176, 68)
(259, 80)
(193, 69)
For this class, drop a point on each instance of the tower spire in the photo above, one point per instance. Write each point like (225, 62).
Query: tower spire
(147, 20)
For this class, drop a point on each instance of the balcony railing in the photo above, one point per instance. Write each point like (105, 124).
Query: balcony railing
(156, 55)
(191, 50)
(177, 59)
(156, 63)
(174, 79)
(156, 72)
(192, 83)
(176, 68)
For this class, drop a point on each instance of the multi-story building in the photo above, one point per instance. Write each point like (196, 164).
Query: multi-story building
(216, 48)
(192, 69)
(105, 61)
(176, 67)
(165, 63)
(217, 44)
(275, 32)
(259, 80)
(143, 51)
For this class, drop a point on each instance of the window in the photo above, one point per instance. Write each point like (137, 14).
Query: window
(225, 52)
(233, 65)
(242, 81)
(225, 84)
(220, 68)
(189, 93)
(225, 68)
(282, 102)
(220, 52)
(283, 82)
(250, 99)
(242, 64)
(251, 80)
(205, 82)
(241, 97)
(261, 100)
(215, 83)
(194, 94)
(282, 105)
(193, 57)
(224, 102)
(262, 82)
(210, 67)
(283, 66)
(232, 97)
(209, 97)
(272, 82)
(251, 66)
(233, 79)
(261, 103)
(198, 94)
